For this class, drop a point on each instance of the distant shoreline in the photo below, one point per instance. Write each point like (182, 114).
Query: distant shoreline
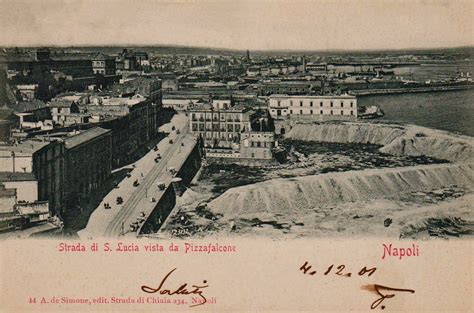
(370, 92)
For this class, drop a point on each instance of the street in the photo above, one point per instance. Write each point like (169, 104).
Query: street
(116, 221)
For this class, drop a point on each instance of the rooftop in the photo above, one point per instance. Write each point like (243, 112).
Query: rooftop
(38, 207)
(25, 106)
(134, 84)
(123, 101)
(11, 192)
(102, 57)
(84, 136)
(27, 147)
(18, 176)
(288, 82)
(71, 57)
(60, 103)
(209, 107)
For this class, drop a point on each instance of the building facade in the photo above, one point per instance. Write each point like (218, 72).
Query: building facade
(289, 87)
(317, 107)
(61, 109)
(45, 159)
(220, 125)
(103, 64)
(88, 163)
(257, 145)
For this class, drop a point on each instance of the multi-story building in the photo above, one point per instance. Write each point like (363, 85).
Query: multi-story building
(45, 159)
(220, 124)
(3, 85)
(75, 64)
(149, 88)
(7, 199)
(289, 87)
(313, 107)
(25, 184)
(169, 81)
(62, 110)
(88, 163)
(129, 61)
(27, 92)
(142, 59)
(257, 145)
(103, 64)
(17, 213)
(135, 110)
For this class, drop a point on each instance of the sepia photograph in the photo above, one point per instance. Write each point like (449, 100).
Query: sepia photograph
(221, 132)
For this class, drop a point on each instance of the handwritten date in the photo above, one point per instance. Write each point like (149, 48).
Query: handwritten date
(380, 290)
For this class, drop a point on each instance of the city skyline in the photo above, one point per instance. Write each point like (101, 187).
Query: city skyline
(328, 26)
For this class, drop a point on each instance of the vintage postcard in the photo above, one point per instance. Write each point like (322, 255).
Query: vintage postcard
(236, 156)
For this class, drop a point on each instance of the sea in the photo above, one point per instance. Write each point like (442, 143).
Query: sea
(446, 110)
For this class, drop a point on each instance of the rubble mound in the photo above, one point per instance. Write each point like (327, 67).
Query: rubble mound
(440, 227)
(301, 194)
(442, 148)
(379, 134)
(395, 139)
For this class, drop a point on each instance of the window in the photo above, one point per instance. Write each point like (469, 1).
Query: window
(311, 111)
(195, 127)
(311, 103)
(331, 112)
(321, 112)
(342, 104)
(291, 102)
(278, 102)
(321, 104)
(301, 111)
(332, 104)
(291, 111)
(301, 103)
(258, 144)
(352, 112)
(342, 112)
(352, 104)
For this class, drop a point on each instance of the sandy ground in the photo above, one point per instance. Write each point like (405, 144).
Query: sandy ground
(443, 211)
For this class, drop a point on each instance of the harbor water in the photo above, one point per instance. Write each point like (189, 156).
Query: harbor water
(451, 110)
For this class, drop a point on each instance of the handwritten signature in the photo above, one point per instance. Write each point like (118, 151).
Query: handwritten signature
(377, 288)
(183, 289)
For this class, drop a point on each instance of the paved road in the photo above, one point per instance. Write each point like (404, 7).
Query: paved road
(114, 229)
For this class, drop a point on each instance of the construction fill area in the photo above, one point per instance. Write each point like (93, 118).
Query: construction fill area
(341, 179)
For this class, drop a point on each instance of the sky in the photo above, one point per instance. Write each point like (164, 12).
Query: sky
(254, 25)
